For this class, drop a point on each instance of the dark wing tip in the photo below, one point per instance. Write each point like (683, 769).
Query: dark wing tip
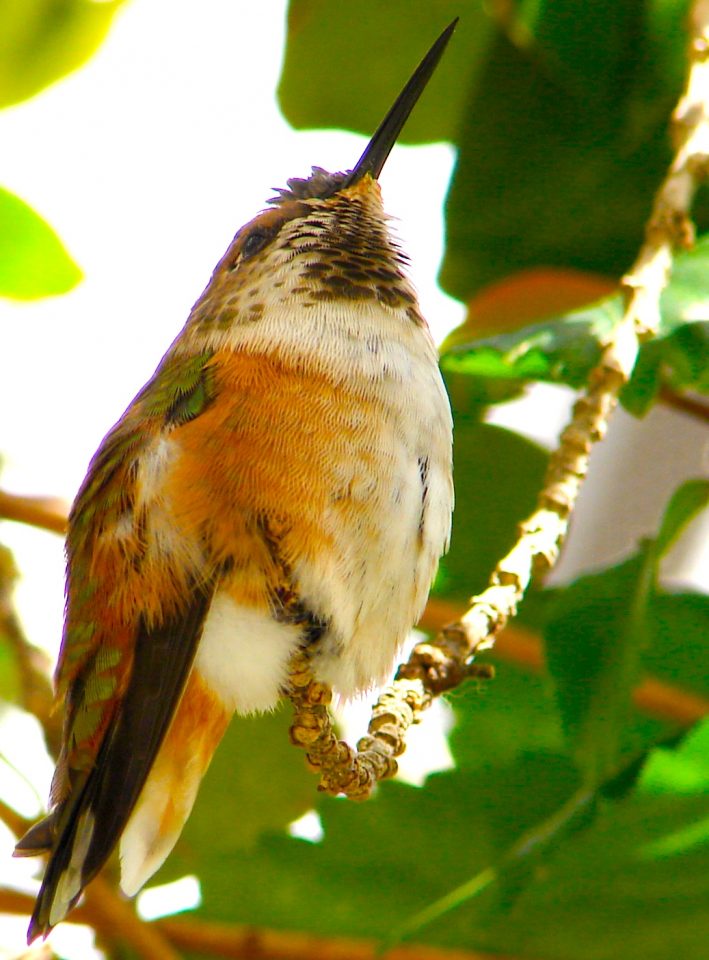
(91, 821)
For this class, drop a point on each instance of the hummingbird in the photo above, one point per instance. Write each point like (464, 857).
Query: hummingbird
(282, 483)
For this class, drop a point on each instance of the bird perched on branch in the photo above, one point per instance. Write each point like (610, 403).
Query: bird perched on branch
(283, 482)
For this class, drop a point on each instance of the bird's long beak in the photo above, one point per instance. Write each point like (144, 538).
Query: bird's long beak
(379, 147)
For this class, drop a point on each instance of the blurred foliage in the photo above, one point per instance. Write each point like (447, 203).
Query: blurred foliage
(10, 688)
(33, 261)
(42, 40)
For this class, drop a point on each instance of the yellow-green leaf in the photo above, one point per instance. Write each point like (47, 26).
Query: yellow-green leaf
(33, 260)
(41, 40)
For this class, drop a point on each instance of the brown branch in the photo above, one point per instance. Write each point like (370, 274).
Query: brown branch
(242, 943)
(111, 917)
(114, 919)
(233, 942)
(13, 820)
(686, 403)
(442, 664)
(47, 513)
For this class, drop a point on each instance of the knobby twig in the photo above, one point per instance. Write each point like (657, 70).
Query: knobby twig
(445, 662)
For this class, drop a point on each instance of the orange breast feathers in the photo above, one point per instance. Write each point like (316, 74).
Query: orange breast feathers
(279, 446)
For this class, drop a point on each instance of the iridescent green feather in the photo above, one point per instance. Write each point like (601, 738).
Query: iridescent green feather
(180, 389)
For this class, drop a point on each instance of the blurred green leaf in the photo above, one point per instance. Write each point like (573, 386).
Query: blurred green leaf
(600, 631)
(10, 686)
(33, 261)
(610, 891)
(499, 721)
(564, 140)
(42, 40)
(641, 865)
(358, 880)
(680, 771)
(497, 476)
(344, 71)
(686, 502)
(596, 630)
(677, 649)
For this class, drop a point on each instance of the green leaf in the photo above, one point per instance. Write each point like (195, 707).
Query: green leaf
(565, 349)
(595, 634)
(358, 880)
(681, 771)
(563, 141)
(642, 866)
(33, 261)
(497, 475)
(498, 722)
(562, 350)
(42, 40)
(342, 71)
(686, 502)
(556, 833)
(677, 648)
(610, 891)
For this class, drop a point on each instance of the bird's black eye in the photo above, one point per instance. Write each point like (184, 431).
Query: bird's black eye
(256, 240)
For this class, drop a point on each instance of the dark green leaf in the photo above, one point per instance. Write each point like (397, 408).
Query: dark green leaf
(41, 40)
(499, 721)
(626, 887)
(381, 860)
(564, 140)
(595, 634)
(33, 261)
(346, 71)
(677, 649)
(497, 475)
